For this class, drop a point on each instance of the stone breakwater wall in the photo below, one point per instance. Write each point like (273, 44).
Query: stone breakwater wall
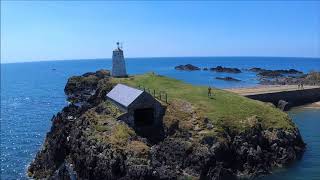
(294, 98)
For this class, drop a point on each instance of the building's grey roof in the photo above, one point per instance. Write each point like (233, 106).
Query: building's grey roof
(123, 94)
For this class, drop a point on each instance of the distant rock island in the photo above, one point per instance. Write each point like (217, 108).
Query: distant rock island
(199, 137)
(264, 76)
(187, 67)
(190, 67)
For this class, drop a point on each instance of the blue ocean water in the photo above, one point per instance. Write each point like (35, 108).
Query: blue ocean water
(32, 92)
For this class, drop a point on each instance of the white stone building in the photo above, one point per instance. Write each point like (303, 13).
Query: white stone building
(118, 63)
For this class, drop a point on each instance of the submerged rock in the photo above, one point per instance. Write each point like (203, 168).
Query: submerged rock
(228, 79)
(270, 74)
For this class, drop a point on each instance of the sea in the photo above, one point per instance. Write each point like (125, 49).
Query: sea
(32, 92)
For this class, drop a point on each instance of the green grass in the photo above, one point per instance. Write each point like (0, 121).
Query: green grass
(120, 135)
(224, 109)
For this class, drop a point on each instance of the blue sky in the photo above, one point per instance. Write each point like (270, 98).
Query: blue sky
(36, 31)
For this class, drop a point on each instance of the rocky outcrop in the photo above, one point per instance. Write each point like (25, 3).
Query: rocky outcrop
(89, 142)
(265, 73)
(187, 67)
(281, 71)
(225, 69)
(228, 79)
(286, 77)
(89, 87)
(312, 79)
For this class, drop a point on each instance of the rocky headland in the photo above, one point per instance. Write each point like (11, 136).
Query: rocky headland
(86, 141)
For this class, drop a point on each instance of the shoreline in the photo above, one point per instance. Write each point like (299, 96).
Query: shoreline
(315, 105)
(267, 88)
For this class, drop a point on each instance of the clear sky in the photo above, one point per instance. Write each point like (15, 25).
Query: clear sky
(37, 31)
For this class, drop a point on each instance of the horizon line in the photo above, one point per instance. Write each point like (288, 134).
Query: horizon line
(155, 57)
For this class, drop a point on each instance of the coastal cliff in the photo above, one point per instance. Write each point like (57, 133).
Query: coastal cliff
(237, 138)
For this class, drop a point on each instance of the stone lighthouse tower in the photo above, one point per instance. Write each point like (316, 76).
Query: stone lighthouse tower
(118, 63)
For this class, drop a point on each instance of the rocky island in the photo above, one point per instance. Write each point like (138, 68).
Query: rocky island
(187, 67)
(226, 137)
(190, 67)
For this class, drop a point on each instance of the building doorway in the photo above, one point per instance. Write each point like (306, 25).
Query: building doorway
(144, 117)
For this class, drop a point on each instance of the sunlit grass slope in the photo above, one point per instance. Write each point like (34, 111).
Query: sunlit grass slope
(224, 108)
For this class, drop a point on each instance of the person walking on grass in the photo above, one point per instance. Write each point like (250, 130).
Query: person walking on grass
(209, 92)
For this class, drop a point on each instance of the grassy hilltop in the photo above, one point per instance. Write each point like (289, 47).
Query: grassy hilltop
(224, 108)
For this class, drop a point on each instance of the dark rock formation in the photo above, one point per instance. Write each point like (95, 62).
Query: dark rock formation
(286, 77)
(88, 87)
(265, 73)
(225, 69)
(282, 71)
(228, 79)
(205, 69)
(89, 141)
(187, 67)
(312, 79)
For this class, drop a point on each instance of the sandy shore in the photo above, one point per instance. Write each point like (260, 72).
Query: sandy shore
(313, 105)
